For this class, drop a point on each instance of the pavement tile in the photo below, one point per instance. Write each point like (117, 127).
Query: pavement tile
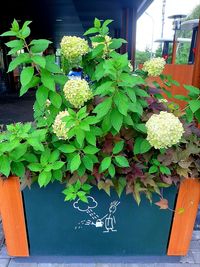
(196, 256)
(188, 259)
(13, 263)
(4, 262)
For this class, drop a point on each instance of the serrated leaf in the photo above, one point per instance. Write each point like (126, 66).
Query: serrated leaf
(105, 164)
(4, 165)
(22, 58)
(39, 60)
(90, 150)
(88, 163)
(122, 161)
(18, 169)
(55, 99)
(44, 178)
(75, 163)
(42, 95)
(194, 105)
(40, 45)
(118, 147)
(67, 148)
(116, 119)
(26, 75)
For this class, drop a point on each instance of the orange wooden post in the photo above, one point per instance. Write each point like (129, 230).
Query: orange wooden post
(196, 73)
(183, 222)
(12, 213)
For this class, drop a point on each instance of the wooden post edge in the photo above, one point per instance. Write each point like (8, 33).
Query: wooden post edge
(184, 217)
(13, 219)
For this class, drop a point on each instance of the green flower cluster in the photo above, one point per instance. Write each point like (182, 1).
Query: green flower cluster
(73, 47)
(164, 130)
(77, 92)
(59, 126)
(154, 66)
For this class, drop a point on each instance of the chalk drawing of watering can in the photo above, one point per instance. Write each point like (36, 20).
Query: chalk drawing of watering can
(99, 223)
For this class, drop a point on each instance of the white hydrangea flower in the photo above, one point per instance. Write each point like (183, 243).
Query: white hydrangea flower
(164, 130)
(162, 100)
(154, 66)
(130, 66)
(77, 92)
(59, 126)
(73, 47)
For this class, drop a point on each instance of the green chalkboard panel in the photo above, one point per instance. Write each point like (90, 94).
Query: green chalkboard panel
(106, 226)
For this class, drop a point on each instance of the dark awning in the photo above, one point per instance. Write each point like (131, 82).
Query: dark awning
(54, 18)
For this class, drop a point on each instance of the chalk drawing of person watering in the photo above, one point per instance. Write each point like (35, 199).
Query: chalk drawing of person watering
(107, 222)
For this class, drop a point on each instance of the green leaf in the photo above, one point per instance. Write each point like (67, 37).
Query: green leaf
(88, 163)
(35, 80)
(105, 164)
(141, 127)
(22, 58)
(153, 169)
(58, 165)
(57, 175)
(117, 43)
(75, 163)
(189, 115)
(116, 119)
(107, 22)
(103, 108)
(91, 31)
(67, 148)
(97, 23)
(40, 45)
(165, 170)
(26, 75)
(54, 156)
(90, 150)
(42, 95)
(35, 167)
(194, 105)
(181, 97)
(8, 33)
(44, 178)
(4, 165)
(18, 169)
(15, 43)
(91, 138)
(111, 170)
(15, 26)
(19, 151)
(55, 99)
(51, 65)
(37, 145)
(122, 161)
(39, 60)
(141, 146)
(44, 159)
(121, 102)
(194, 91)
(48, 80)
(120, 186)
(118, 147)
(80, 136)
(131, 94)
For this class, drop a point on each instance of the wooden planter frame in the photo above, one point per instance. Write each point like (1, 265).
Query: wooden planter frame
(14, 225)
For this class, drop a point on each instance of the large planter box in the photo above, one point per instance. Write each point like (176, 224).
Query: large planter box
(105, 226)
(43, 224)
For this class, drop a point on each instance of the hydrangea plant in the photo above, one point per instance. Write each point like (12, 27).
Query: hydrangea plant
(112, 131)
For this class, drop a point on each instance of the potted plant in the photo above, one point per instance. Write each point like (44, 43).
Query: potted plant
(108, 143)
